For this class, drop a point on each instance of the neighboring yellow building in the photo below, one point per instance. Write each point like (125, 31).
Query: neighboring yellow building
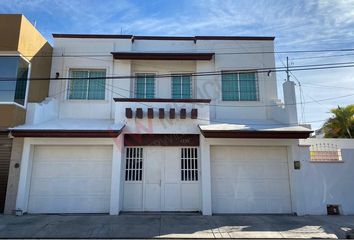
(25, 55)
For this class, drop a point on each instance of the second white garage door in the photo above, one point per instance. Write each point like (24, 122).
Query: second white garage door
(250, 180)
(70, 179)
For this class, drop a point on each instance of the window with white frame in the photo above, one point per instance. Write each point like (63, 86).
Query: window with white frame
(189, 164)
(182, 86)
(239, 86)
(87, 85)
(144, 85)
(14, 71)
(133, 164)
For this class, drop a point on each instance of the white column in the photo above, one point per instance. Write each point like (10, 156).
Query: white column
(206, 176)
(24, 182)
(297, 184)
(116, 184)
(290, 101)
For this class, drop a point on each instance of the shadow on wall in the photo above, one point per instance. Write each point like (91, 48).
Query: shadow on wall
(41, 64)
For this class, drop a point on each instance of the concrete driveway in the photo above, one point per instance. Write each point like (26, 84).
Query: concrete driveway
(174, 226)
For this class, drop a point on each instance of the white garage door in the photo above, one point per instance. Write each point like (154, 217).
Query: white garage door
(71, 179)
(250, 180)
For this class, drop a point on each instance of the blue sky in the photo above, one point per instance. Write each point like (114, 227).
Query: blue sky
(297, 25)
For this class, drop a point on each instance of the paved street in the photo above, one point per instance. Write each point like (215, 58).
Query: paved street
(174, 226)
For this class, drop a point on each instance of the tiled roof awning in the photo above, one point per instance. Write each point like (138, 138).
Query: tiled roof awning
(256, 131)
(161, 56)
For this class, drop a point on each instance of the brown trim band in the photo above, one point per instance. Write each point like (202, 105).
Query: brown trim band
(257, 134)
(181, 38)
(173, 38)
(67, 133)
(251, 38)
(64, 35)
(161, 140)
(162, 100)
(162, 56)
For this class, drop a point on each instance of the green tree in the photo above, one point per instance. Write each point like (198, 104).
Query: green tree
(341, 125)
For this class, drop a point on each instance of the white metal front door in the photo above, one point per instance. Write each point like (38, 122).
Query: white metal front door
(170, 180)
(153, 179)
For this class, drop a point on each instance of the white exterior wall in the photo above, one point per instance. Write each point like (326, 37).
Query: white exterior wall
(204, 86)
(324, 183)
(166, 125)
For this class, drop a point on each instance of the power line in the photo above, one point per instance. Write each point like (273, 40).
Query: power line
(216, 73)
(217, 53)
(217, 121)
(236, 106)
(323, 56)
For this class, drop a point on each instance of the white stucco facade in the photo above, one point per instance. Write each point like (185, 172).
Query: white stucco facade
(200, 154)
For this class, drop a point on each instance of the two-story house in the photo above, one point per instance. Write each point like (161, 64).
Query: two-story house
(155, 123)
(24, 55)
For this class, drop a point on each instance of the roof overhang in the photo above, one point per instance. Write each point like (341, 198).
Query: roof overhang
(276, 133)
(69, 128)
(162, 100)
(168, 38)
(162, 56)
(48, 133)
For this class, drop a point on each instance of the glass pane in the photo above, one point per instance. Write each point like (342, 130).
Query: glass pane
(21, 83)
(140, 86)
(78, 87)
(8, 69)
(248, 88)
(186, 87)
(229, 87)
(97, 87)
(150, 86)
(176, 87)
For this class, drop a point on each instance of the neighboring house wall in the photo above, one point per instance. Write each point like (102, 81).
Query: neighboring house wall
(325, 183)
(5, 153)
(20, 38)
(11, 115)
(14, 174)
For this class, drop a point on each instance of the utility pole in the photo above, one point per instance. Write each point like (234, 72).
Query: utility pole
(287, 69)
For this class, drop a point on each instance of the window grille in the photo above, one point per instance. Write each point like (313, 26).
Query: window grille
(189, 164)
(325, 152)
(134, 164)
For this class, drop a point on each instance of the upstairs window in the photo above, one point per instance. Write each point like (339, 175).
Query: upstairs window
(145, 85)
(81, 87)
(182, 86)
(239, 86)
(14, 72)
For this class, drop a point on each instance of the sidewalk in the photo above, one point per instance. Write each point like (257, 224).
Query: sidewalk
(174, 226)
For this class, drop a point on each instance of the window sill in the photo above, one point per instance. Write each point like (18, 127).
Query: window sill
(86, 101)
(329, 161)
(13, 103)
